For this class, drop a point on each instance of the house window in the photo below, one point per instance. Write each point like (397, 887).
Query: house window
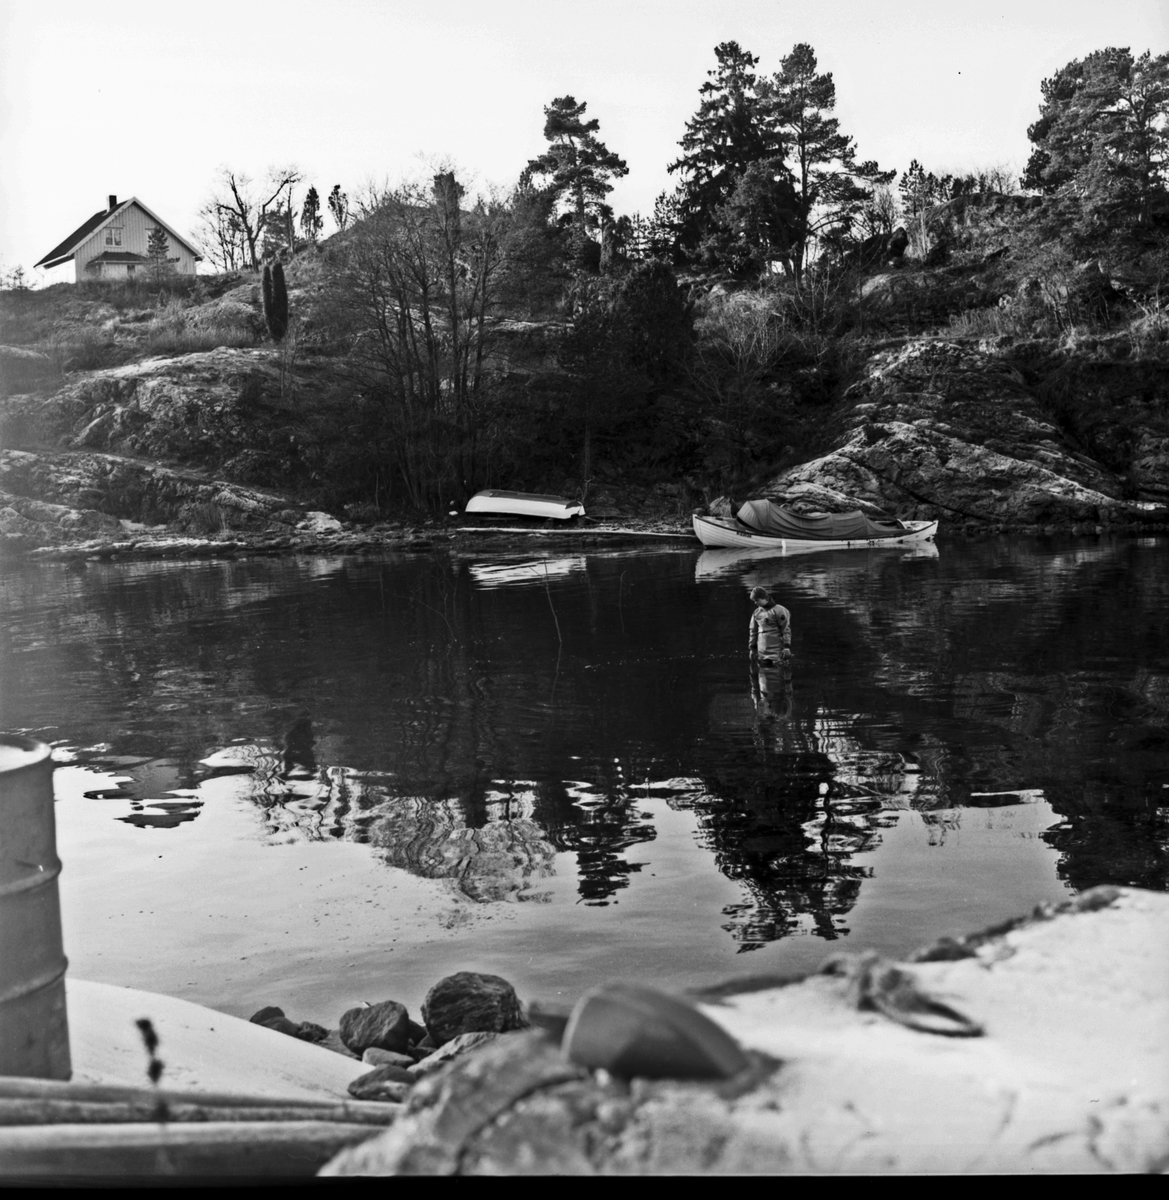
(113, 235)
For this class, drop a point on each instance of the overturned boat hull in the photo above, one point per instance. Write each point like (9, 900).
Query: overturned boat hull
(493, 502)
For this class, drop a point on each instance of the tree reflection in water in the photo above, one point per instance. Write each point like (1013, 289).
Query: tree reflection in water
(489, 752)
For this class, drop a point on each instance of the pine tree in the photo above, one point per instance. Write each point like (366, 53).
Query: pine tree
(275, 301)
(158, 254)
(311, 221)
(577, 166)
(1102, 137)
(339, 206)
(732, 129)
(830, 188)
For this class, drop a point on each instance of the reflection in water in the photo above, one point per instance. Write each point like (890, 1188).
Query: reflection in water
(496, 724)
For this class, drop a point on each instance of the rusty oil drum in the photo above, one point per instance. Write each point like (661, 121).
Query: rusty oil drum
(34, 1035)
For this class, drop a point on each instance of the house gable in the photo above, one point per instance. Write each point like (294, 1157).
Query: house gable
(75, 245)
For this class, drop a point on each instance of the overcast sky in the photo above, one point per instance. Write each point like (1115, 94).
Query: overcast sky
(149, 99)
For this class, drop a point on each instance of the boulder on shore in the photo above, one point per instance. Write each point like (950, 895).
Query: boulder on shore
(1040, 1046)
(468, 1002)
(385, 1026)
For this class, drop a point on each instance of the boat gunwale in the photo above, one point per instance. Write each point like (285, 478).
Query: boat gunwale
(915, 531)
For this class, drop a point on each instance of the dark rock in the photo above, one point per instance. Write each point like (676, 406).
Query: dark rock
(468, 1002)
(550, 1017)
(266, 1014)
(281, 1025)
(422, 1049)
(308, 1031)
(332, 1041)
(639, 1032)
(417, 1032)
(384, 1025)
(382, 1083)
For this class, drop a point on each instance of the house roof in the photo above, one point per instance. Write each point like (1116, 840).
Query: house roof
(123, 256)
(64, 252)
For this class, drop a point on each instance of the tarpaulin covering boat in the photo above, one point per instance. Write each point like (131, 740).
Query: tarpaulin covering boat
(763, 523)
(765, 516)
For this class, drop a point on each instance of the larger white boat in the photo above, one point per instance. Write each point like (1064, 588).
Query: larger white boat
(523, 504)
(763, 524)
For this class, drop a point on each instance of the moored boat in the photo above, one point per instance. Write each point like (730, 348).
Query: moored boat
(763, 524)
(492, 501)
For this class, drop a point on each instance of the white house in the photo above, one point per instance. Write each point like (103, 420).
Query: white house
(112, 244)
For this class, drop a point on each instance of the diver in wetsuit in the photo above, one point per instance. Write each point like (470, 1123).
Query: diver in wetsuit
(770, 632)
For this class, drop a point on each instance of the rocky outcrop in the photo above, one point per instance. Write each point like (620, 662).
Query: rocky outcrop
(49, 498)
(941, 429)
(1059, 1065)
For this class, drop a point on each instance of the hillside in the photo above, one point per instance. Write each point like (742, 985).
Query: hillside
(960, 370)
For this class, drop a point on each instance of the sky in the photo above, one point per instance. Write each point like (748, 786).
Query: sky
(150, 99)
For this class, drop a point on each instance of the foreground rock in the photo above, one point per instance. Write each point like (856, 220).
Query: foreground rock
(1062, 1066)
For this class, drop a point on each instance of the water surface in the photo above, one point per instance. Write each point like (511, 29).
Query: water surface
(560, 769)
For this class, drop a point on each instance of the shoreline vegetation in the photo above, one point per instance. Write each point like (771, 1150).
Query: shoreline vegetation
(790, 321)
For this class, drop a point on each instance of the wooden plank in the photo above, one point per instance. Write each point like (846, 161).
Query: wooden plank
(80, 1152)
(83, 1112)
(23, 1088)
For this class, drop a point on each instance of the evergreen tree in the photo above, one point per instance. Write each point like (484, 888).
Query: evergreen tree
(311, 221)
(1102, 137)
(830, 188)
(732, 129)
(339, 206)
(158, 254)
(759, 224)
(275, 301)
(577, 166)
(921, 190)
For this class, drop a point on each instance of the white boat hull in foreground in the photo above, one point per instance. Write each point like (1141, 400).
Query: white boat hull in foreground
(729, 534)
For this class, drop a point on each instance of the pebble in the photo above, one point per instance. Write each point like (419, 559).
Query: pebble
(377, 1057)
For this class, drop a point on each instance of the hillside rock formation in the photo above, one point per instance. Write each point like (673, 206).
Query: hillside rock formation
(941, 429)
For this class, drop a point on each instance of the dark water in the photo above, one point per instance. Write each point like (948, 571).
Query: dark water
(560, 768)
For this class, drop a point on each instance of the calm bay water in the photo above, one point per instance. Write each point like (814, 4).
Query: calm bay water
(560, 770)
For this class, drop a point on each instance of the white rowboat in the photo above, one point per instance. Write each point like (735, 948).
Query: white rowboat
(728, 533)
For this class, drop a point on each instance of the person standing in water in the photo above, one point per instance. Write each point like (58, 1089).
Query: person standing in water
(770, 631)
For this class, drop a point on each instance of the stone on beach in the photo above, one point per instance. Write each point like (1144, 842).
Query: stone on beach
(468, 1002)
(385, 1026)
(387, 1082)
(1067, 1071)
(377, 1057)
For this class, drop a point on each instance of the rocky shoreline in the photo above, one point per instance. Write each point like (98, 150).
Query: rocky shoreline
(958, 1060)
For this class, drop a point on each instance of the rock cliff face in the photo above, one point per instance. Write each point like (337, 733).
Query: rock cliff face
(940, 429)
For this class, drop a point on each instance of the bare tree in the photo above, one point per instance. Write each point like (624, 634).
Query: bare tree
(414, 292)
(222, 238)
(246, 209)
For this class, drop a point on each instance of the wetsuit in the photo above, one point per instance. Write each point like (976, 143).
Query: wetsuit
(770, 632)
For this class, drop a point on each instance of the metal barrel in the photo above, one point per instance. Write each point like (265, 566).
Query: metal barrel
(34, 1034)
